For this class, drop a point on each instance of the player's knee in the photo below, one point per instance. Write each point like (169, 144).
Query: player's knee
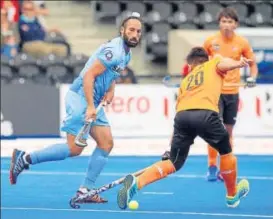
(229, 129)
(176, 165)
(75, 150)
(224, 145)
(178, 159)
(107, 145)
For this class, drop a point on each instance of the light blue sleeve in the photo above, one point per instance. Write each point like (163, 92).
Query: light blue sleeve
(109, 57)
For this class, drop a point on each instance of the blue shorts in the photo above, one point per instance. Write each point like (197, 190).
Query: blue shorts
(75, 106)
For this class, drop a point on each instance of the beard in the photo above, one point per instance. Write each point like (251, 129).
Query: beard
(130, 42)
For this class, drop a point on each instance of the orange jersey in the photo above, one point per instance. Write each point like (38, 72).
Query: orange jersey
(233, 48)
(201, 88)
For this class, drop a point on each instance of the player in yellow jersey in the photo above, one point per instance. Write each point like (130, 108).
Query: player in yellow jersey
(197, 115)
(228, 44)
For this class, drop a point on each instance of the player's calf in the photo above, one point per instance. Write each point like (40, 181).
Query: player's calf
(228, 167)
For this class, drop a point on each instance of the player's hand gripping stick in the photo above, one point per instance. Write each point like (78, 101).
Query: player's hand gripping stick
(79, 140)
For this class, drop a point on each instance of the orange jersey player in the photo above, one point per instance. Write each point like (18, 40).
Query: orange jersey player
(228, 44)
(197, 115)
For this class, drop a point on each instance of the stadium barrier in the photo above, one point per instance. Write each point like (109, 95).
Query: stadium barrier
(141, 117)
(148, 111)
(29, 111)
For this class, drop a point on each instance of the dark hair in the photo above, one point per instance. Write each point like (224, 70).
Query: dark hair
(123, 24)
(228, 12)
(134, 15)
(197, 55)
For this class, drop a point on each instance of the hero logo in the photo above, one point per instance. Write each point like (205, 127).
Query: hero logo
(6, 127)
(129, 105)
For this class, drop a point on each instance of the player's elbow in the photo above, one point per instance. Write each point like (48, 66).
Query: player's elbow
(228, 65)
(96, 69)
(222, 69)
(88, 76)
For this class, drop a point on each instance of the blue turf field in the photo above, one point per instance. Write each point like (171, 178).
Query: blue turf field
(44, 191)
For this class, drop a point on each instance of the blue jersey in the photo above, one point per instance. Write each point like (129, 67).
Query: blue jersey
(115, 56)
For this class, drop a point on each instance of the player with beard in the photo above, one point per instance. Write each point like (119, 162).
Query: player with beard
(95, 83)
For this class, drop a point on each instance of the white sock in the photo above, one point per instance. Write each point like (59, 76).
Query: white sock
(83, 189)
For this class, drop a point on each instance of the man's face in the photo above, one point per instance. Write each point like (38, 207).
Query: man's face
(227, 25)
(131, 33)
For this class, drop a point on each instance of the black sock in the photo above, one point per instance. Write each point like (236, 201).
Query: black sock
(28, 159)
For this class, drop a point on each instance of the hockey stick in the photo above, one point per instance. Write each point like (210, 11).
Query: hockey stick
(235, 85)
(104, 188)
(79, 140)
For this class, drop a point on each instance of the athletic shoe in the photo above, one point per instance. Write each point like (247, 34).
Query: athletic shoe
(242, 191)
(17, 165)
(83, 197)
(219, 176)
(212, 174)
(126, 193)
